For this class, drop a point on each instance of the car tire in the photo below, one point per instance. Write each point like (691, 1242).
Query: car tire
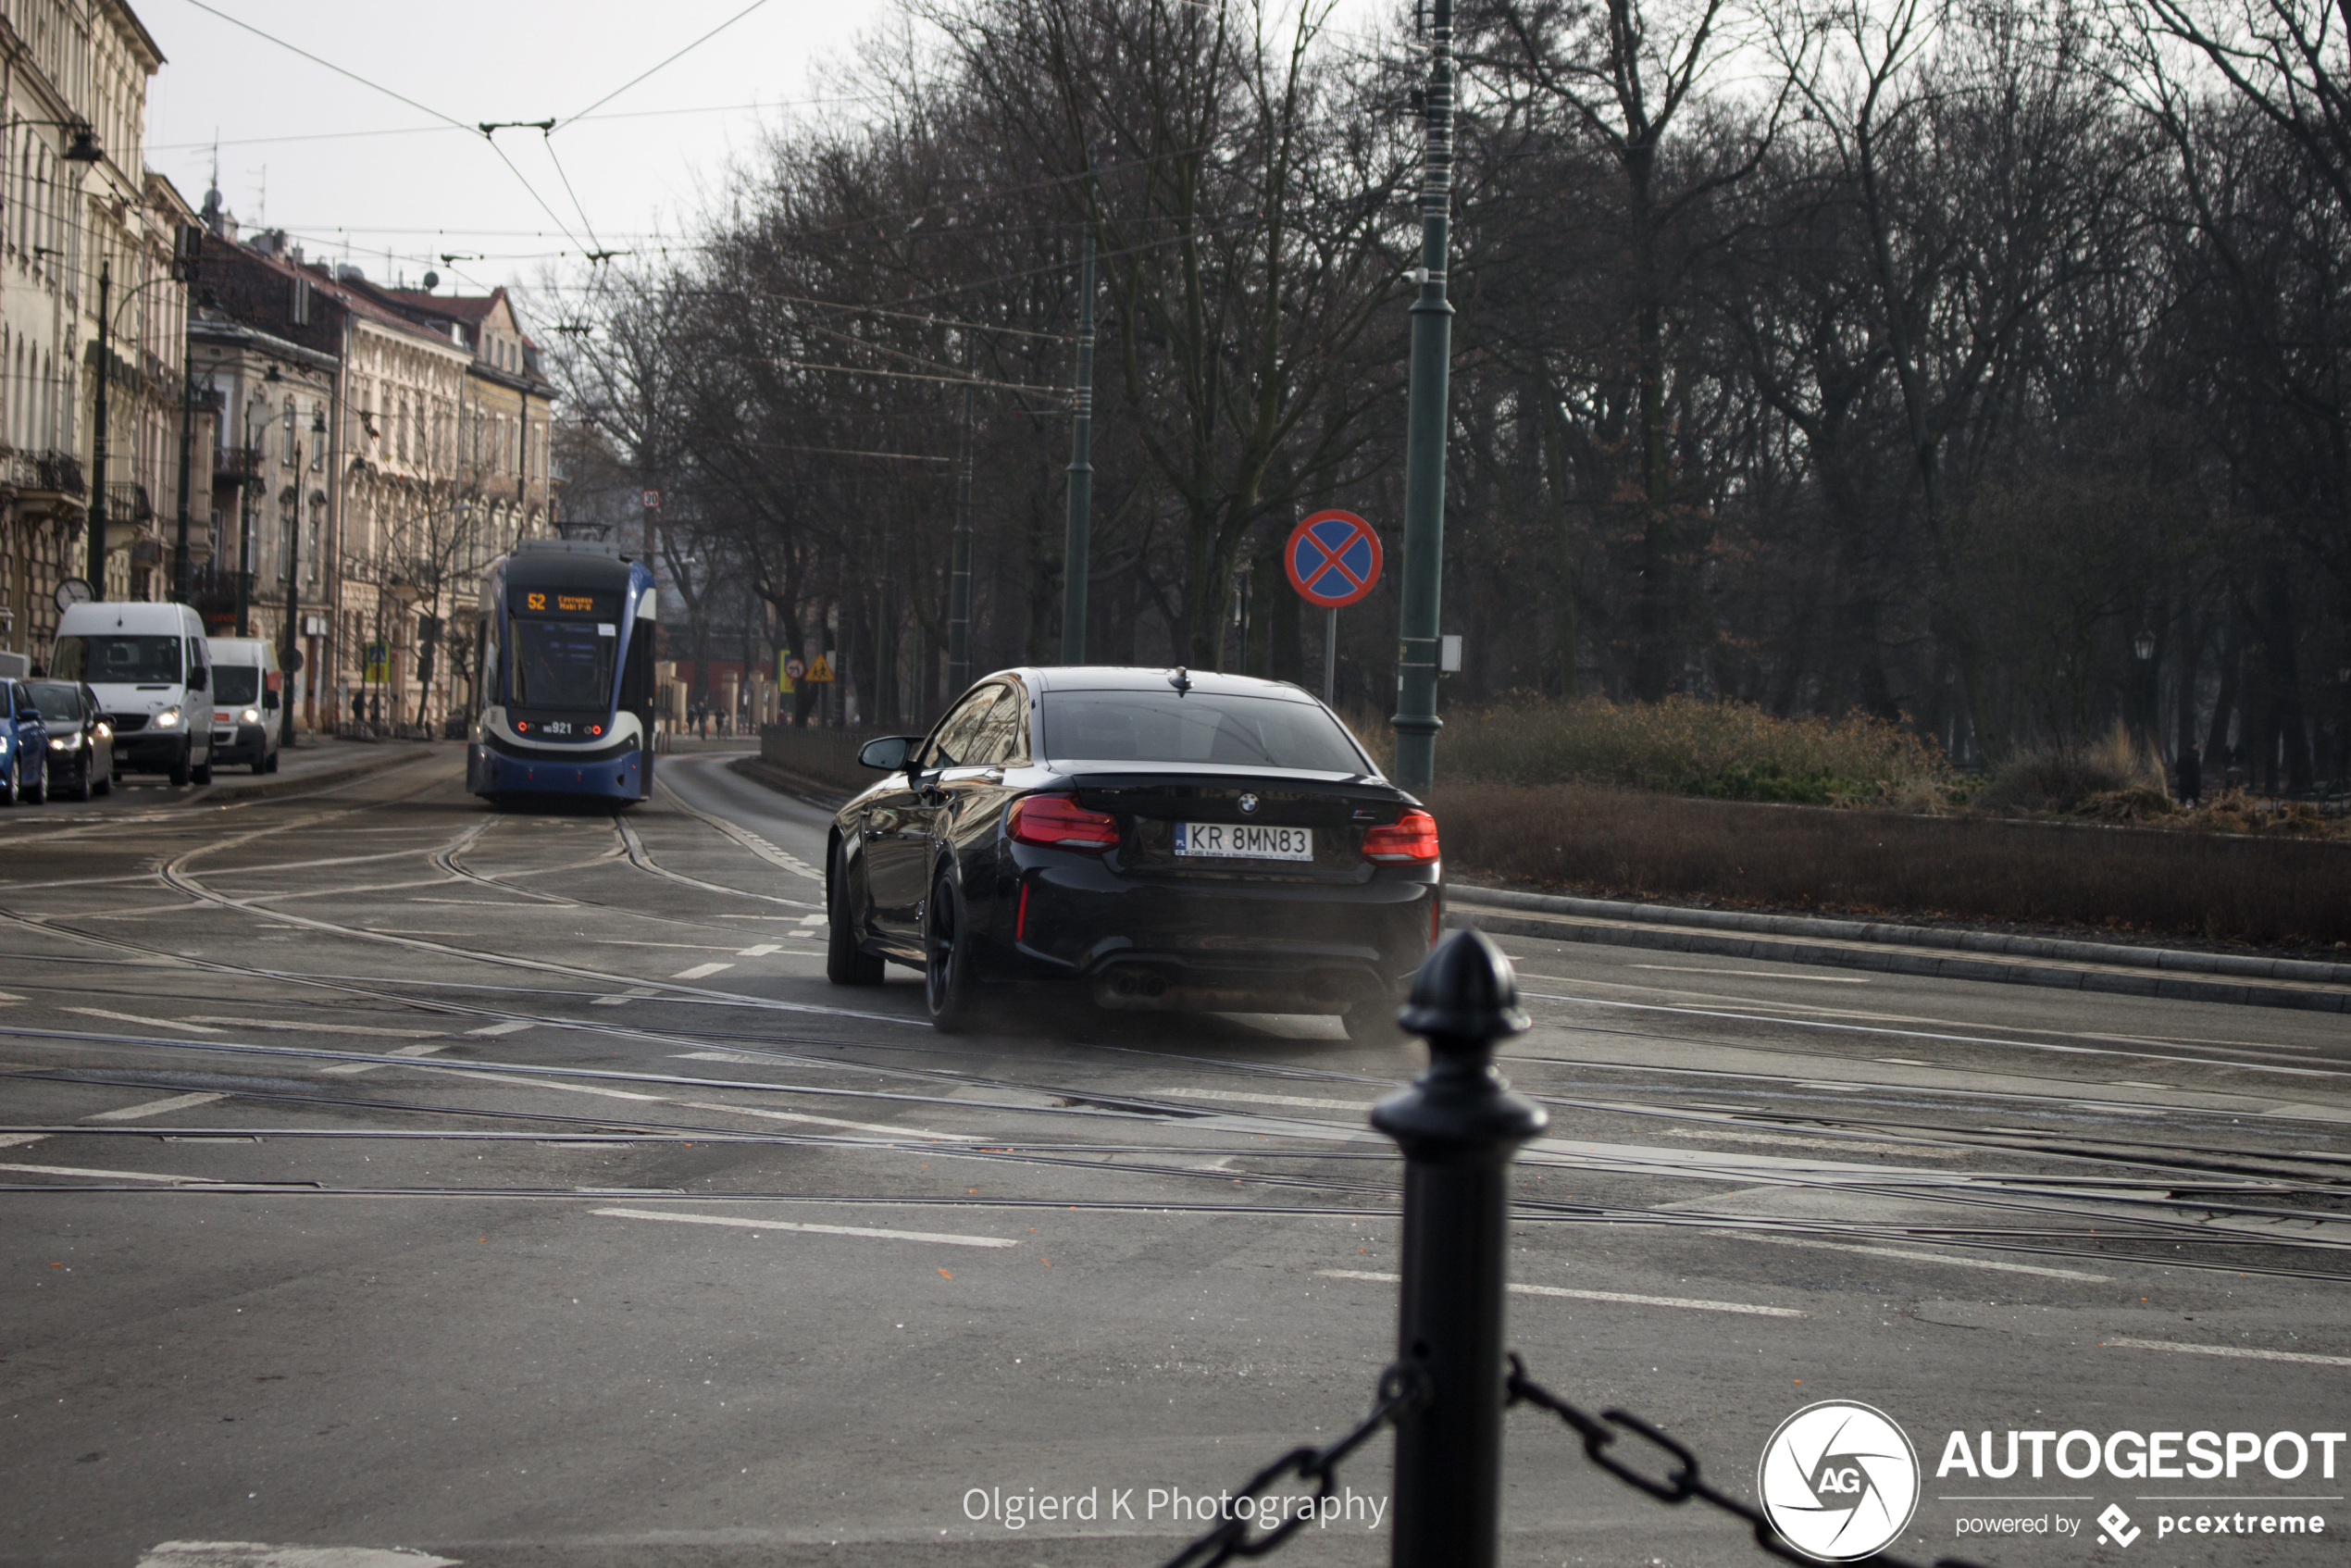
(81, 786)
(180, 771)
(1372, 1022)
(39, 794)
(105, 784)
(8, 790)
(260, 764)
(950, 994)
(846, 963)
(202, 773)
(273, 762)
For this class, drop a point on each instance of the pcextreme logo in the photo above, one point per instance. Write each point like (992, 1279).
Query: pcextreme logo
(1838, 1480)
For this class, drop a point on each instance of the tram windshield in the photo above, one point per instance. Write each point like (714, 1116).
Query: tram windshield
(563, 664)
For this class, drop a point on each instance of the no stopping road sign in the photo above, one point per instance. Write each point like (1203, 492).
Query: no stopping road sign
(1333, 559)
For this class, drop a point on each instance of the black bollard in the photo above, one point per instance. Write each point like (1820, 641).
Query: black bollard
(1458, 1123)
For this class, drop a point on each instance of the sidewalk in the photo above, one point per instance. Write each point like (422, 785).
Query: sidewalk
(2114, 967)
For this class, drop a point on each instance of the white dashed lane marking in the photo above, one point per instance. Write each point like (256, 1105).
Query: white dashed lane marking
(155, 1108)
(511, 1026)
(255, 1555)
(943, 1238)
(1516, 1289)
(2242, 1352)
(631, 994)
(699, 971)
(136, 1018)
(349, 1068)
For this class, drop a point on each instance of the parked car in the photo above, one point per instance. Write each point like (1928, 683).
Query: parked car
(149, 665)
(245, 702)
(24, 746)
(1157, 839)
(80, 756)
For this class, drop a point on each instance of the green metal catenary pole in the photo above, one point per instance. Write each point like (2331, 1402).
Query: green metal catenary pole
(1077, 553)
(959, 584)
(1416, 722)
(97, 567)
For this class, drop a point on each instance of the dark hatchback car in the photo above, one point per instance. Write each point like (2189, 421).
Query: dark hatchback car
(1159, 839)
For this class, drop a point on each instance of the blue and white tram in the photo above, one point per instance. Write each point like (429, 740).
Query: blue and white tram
(566, 648)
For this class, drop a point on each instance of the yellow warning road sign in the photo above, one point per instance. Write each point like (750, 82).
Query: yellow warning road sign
(821, 670)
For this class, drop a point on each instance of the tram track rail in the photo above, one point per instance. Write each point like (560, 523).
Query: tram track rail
(446, 857)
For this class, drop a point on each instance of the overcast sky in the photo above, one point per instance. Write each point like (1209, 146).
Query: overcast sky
(351, 169)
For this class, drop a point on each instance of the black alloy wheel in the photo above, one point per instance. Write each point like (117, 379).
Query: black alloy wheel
(948, 986)
(846, 963)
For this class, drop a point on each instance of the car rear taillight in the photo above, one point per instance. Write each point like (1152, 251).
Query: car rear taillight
(1410, 838)
(1059, 822)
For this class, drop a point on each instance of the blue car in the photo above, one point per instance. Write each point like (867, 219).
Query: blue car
(24, 746)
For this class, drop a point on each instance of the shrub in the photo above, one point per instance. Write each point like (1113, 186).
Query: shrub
(1722, 750)
(1621, 842)
(2116, 779)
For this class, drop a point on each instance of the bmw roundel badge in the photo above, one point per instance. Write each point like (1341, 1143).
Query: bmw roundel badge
(1249, 802)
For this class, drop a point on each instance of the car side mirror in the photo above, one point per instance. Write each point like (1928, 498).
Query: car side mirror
(197, 679)
(889, 753)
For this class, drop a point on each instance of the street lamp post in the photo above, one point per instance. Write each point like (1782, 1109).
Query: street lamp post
(97, 567)
(1416, 722)
(291, 650)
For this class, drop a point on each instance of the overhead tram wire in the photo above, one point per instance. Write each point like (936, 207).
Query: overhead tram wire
(477, 129)
(329, 64)
(420, 130)
(664, 64)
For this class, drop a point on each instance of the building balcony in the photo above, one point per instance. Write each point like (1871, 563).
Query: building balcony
(234, 465)
(127, 502)
(44, 484)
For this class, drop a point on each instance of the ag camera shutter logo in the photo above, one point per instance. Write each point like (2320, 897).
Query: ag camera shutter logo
(1838, 1480)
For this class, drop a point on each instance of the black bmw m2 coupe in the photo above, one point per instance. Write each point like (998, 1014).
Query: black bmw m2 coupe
(1162, 838)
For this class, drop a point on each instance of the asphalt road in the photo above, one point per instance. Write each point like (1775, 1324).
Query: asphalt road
(389, 1174)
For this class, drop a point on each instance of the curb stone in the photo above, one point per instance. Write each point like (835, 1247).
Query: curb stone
(1915, 936)
(1854, 945)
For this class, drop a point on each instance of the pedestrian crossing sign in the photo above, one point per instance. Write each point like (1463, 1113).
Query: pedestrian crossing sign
(821, 670)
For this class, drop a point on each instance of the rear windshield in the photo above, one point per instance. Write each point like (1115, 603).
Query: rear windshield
(235, 683)
(118, 658)
(58, 702)
(1196, 727)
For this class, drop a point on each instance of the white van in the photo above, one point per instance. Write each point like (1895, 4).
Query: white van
(151, 671)
(244, 703)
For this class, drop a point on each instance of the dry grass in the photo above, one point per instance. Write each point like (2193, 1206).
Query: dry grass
(1683, 746)
(1620, 843)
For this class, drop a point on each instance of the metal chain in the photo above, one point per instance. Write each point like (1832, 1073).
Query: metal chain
(1682, 1482)
(1400, 1390)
